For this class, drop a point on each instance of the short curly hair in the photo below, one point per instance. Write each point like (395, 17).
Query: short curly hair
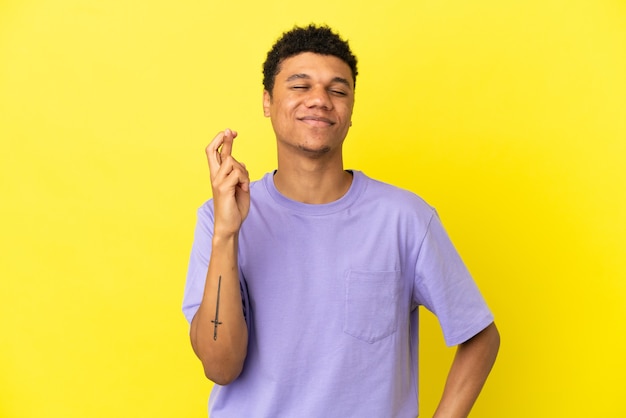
(318, 39)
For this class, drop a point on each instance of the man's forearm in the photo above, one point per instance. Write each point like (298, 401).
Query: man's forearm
(471, 366)
(219, 334)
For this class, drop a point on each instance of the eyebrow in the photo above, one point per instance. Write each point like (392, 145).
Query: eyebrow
(299, 76)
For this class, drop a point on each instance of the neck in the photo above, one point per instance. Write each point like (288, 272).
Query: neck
(312, 183)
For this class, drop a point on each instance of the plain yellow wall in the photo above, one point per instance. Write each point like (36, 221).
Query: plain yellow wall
(508, 116)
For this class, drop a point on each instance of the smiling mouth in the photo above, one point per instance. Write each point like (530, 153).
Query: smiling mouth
(316, 121)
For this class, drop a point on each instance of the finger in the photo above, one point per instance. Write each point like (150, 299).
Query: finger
(230, 164)
(227, 145)
(243, 182)
(244, 179)
(212, 154)
(232, 180)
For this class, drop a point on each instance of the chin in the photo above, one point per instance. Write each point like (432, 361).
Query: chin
(314, 152)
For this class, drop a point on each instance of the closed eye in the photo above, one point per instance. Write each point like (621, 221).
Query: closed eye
(338, 92)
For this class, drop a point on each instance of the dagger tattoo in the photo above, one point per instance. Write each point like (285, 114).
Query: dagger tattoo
(217, 309)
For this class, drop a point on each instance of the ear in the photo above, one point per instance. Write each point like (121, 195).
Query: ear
(267, 99)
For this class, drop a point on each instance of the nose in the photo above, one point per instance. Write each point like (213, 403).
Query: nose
(318, 97)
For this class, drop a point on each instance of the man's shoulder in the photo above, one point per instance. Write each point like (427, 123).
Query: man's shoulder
(394, 195)
(258, 185)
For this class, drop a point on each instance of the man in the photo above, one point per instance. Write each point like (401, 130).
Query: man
(303, 287)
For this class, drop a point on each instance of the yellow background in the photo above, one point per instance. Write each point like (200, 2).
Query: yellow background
(508, 116)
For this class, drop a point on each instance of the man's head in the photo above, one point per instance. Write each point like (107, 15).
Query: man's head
(317, 39)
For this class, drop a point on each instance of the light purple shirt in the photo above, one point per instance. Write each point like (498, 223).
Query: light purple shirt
(331, 295)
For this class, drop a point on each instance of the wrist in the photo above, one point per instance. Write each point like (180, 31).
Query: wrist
(225, 238)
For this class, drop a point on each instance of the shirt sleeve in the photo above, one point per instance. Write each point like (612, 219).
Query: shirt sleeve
(198, 261)
(445, 287)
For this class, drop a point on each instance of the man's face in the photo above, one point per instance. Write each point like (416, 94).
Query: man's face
(311, 104)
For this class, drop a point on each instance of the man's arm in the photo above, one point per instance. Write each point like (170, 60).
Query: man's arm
(219, 335)
(471, 366)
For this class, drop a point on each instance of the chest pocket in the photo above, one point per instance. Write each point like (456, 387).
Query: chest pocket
(372, 304)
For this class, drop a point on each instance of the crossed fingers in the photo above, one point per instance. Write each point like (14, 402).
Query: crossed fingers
(221, 162)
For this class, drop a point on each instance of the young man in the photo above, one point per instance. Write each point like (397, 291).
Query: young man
(303, 287)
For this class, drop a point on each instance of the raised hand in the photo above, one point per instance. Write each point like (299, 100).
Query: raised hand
(230, 183)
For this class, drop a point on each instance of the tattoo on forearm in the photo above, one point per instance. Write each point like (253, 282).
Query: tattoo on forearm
(217, 308)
